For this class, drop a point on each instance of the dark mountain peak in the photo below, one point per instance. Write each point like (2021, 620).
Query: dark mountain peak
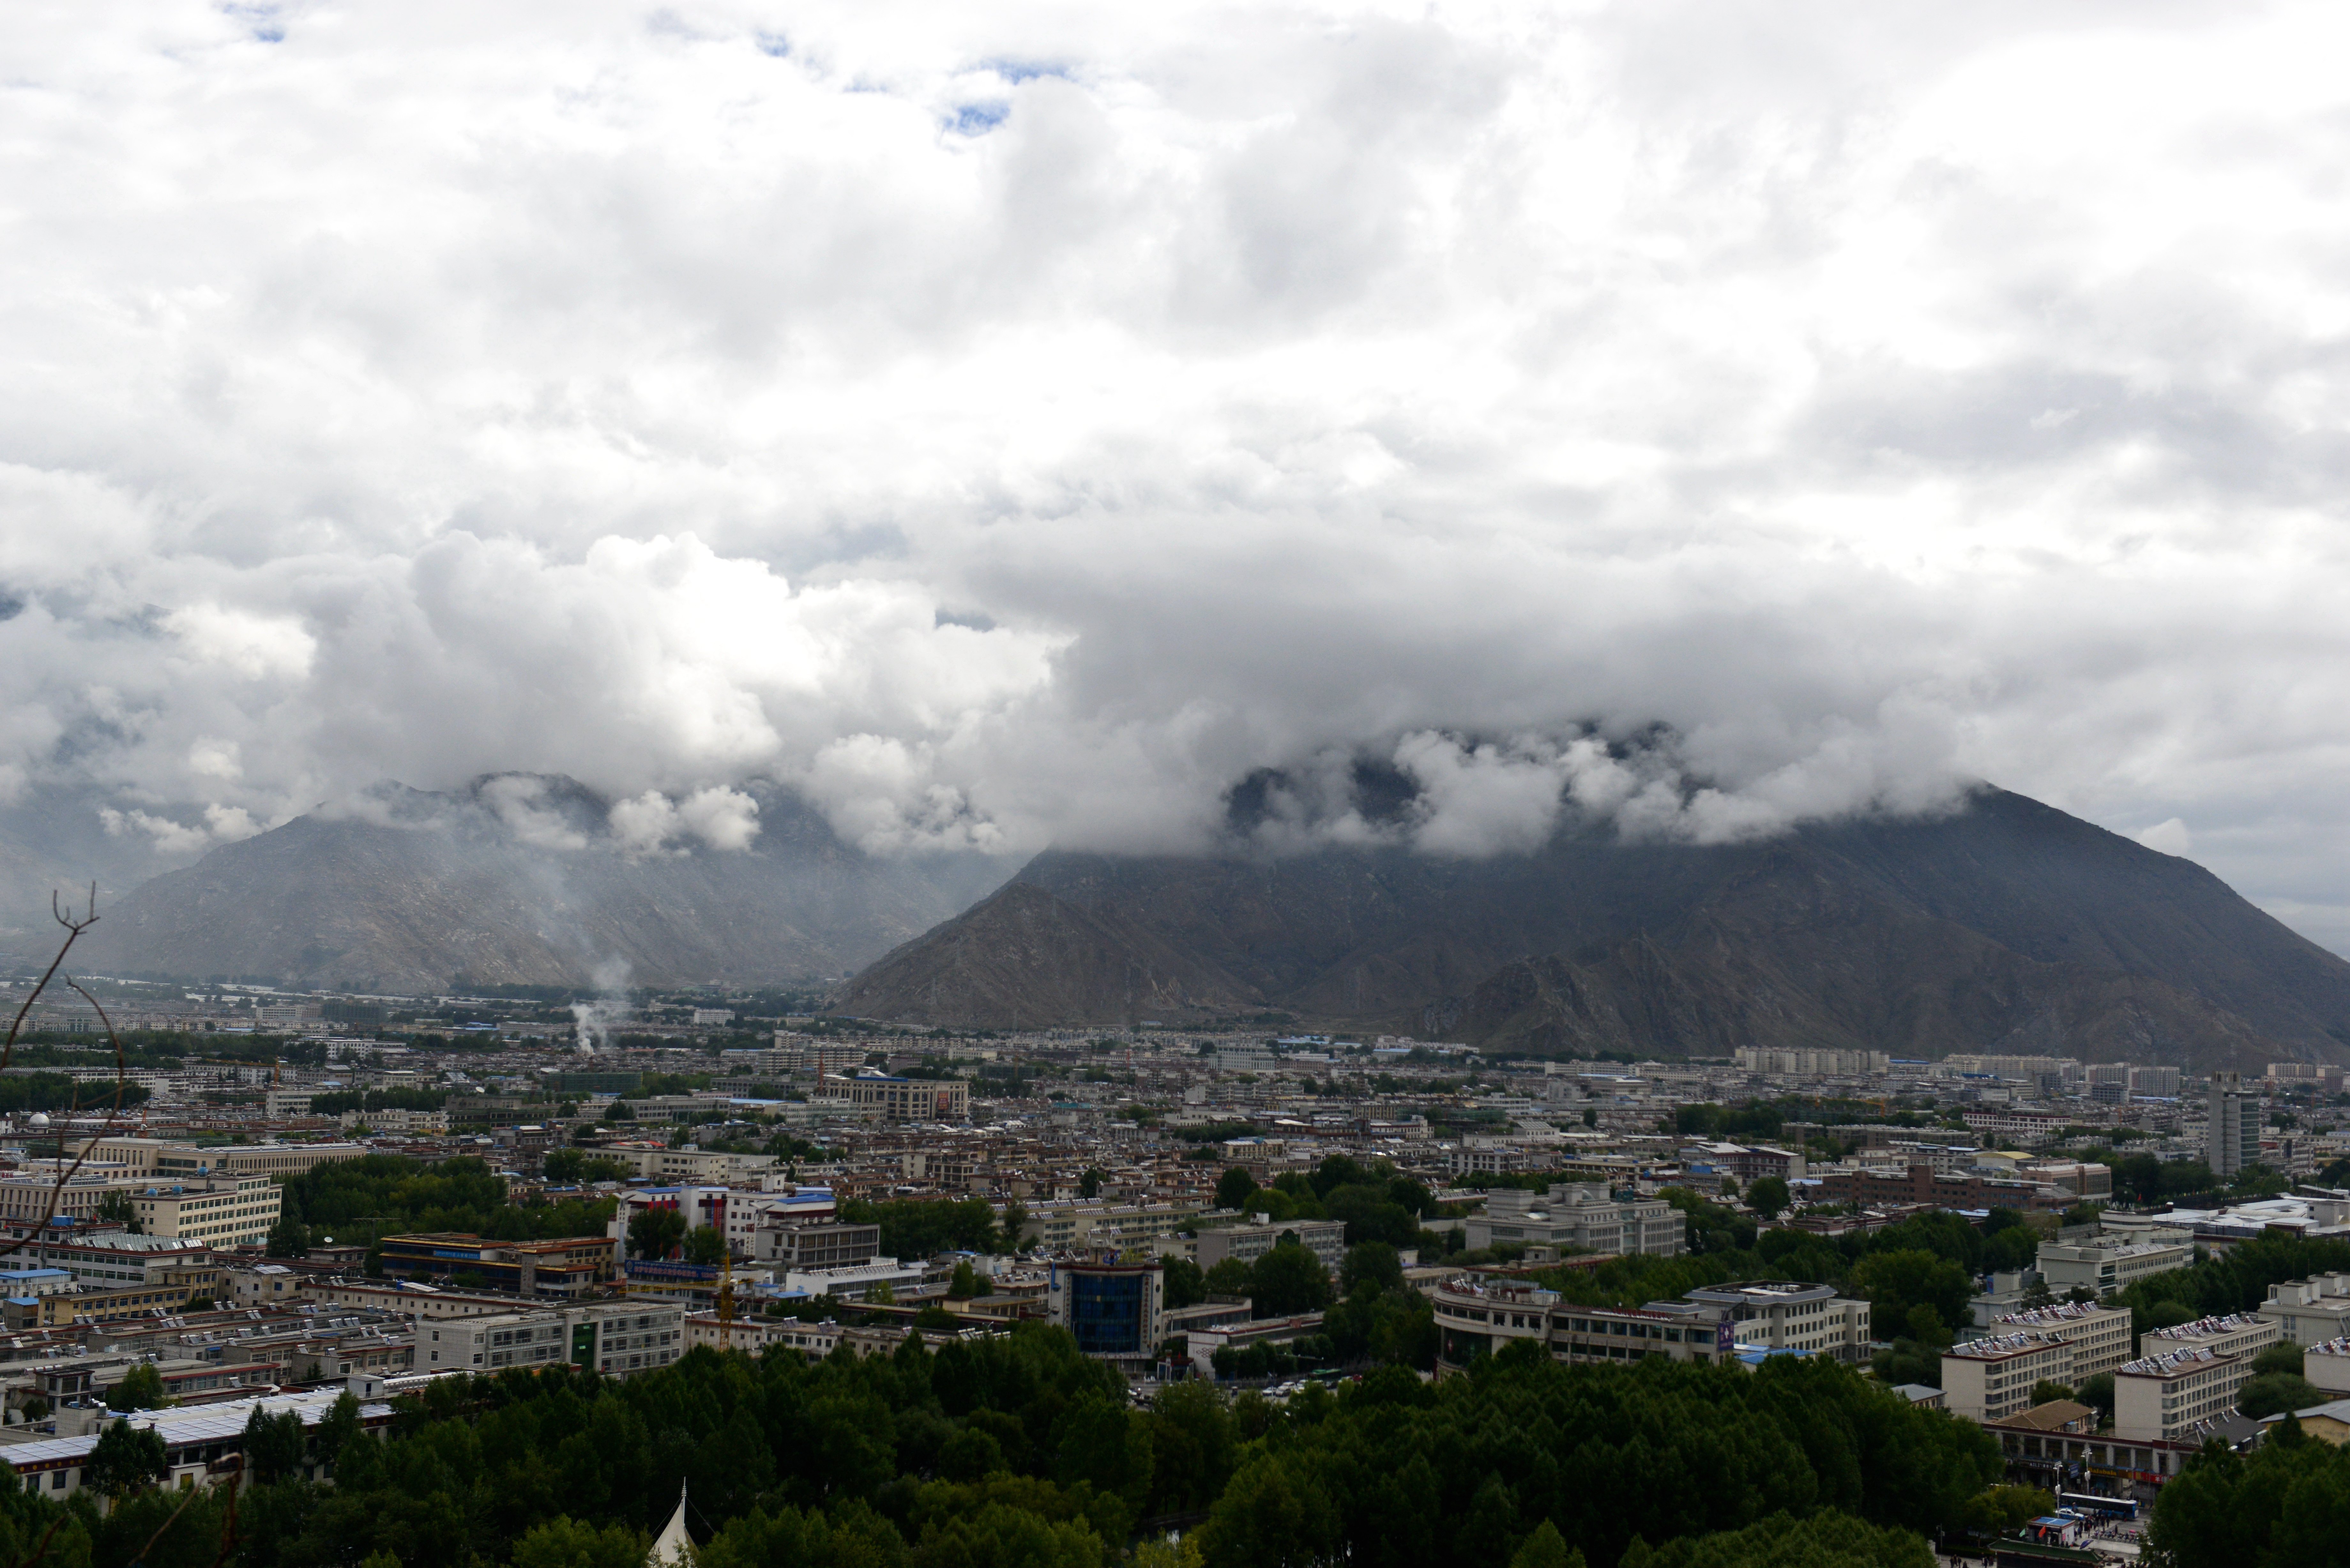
(1998, 920)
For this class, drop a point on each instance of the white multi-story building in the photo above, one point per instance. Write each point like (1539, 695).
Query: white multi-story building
(1326, 1238)
(2187, 1375)
(1581, 1215)
(618, 1339)
(225, 1211)
(2310, 1311)
(2105, 1264)
(1813, 1064)
(1991, 1379)
(2234, 1129)
(1783, 1314)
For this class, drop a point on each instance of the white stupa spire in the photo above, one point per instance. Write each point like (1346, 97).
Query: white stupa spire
(675, 1547)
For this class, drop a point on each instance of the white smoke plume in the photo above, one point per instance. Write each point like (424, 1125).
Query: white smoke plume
(1010, 425)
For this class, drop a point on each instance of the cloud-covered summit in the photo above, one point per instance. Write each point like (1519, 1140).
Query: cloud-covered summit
(1008, 425)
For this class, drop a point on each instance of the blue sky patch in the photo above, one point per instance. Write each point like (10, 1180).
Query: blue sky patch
(979, 118)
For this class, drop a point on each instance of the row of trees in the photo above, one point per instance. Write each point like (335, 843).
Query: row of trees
(1018, 1451)
(380, 1194)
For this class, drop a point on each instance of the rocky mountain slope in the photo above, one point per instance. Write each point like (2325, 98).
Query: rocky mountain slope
(2004, 926)
(418, 888)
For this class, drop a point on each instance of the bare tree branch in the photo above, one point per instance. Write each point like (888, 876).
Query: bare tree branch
(74, 925)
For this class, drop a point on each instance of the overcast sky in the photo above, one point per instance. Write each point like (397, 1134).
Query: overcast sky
(1011, 424)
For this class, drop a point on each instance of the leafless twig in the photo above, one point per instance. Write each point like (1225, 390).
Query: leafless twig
(75, 925)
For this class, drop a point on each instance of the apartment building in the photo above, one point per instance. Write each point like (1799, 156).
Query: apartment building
(2327, 1365)
(1585, 1216)
(618, 1339)
(2232, 1133)
(802, 1246)
(2099, 1335)
(1678, 1331)
(2187, 1375)
(1921, 1185)
(1785, 1315)
(1991, 1379)
(155, 1156)
(114, 1259)
(2105, 1264)
(562, 1269)
(1476, 1316)
(221, 1211)
(899, 1099)
(2311, 1311)
(1808, 1063)
(1108, 1226)
(1326, 1238)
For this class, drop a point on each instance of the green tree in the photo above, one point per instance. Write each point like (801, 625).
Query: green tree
(1233, 1188)
(964, 1283)
(337, 1427)
(1089, 1185)
(273, 1445)
(289, 1238)
(565, 1542)
(126, 1459)
(1547, 1548)
(1287, 1280)
(2273, 1393)
(1768, 1197)
(2283, 1357)
(2096, 1391)
(116, 1208)
(705, 1244)
(1186, 1282)
(655, 1232)
(1896, 1284)
(141, 1388)
(1372, 1264)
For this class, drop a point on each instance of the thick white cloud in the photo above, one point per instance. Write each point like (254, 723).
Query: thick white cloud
(1012, 423)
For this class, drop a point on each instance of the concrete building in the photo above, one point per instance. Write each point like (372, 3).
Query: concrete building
(196, 1439)
(1585, 1216)
(1477, 1315)
(1081, 1227)
(113, 1259)
(1783, 1314)
(2233, 1130)
(156, 1156)
(560, 1270)
(799, 1248)
(2104, 1264)
(2327, 1365)
(899, 1099)
(2187, 1375)
(2099, 1335)
(618, 1339)
(1805, 1064)
(220, 1211)
(1678, 1331)
(2310, 1311)
(1112, 1309)
(1991, 1379)
(1326, 1238)
(1202, 1342)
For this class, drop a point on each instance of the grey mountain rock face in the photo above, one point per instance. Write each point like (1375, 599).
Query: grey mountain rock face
(521, 881)
(2006, 925)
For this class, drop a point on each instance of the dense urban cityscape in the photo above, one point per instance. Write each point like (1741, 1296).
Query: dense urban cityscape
(324, 1210)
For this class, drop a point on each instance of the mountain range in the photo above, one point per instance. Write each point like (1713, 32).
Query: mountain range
(523, 879)
(2003, 925)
